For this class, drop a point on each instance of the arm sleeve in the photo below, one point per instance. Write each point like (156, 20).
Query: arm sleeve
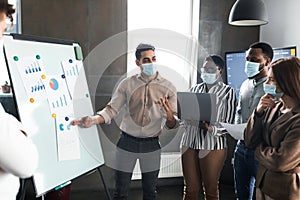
(18, 155)
(238, 113)
(227, 113)
(229, 109)
(254, 129)
(117, 101)
(286, 156)
(173, 105)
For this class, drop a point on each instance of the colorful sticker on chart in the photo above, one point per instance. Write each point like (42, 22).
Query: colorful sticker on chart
(54, 84)
(68, 144)
(63, 126)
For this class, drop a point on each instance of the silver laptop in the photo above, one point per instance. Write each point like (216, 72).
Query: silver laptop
(197, 106)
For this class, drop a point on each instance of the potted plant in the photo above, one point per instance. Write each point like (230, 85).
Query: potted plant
(5, 87)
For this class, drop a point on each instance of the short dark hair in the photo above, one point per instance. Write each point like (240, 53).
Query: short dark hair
(218, 60)
(143, 47)
(265, 47)
(7, 9)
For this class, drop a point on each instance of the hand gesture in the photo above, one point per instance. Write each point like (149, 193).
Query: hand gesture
(164, 103)
(203, 125)
(85, 122)
(266, 101)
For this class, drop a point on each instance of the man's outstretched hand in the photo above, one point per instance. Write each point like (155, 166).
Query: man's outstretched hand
(86, 122)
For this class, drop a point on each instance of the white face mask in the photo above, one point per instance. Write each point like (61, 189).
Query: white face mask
(209, 78)
(251, 69)
(271, 89)
(149, 69)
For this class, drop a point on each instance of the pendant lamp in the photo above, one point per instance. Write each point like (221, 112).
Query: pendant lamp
(248, 13)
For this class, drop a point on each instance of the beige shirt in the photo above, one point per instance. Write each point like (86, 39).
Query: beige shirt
(133, 105)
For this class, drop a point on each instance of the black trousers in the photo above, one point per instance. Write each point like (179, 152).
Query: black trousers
(148, 151)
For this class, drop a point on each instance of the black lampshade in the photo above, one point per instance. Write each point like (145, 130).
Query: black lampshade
(248, 13)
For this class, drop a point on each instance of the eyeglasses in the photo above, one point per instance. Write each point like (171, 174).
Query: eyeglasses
(209, 69)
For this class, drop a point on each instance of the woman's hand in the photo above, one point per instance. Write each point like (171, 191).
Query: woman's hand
(205, 125)
(266, 101)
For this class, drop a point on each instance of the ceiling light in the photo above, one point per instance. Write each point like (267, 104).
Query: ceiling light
(248, 13)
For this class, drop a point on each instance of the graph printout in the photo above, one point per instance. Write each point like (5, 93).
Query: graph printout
(31, 70)
(71, 70)
(61, 107)
(68, 144)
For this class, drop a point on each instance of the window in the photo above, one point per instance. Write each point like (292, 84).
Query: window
(172, 27)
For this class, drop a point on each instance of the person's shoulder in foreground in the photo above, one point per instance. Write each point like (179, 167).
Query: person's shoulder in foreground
(18, 155)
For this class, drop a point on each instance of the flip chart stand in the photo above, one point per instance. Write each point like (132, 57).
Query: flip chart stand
(104, 185)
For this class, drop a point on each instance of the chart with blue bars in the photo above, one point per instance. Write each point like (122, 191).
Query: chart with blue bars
(39, 86)
(33, 68)
(73, 70)
(58, 94)
(60, 102)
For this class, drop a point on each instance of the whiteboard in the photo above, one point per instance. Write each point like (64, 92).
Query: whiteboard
(50, 89)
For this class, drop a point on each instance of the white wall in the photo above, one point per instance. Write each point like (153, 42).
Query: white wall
(283, 28)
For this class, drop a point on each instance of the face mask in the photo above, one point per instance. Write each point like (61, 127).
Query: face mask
(252, 69)
(149, 69)
(209, 78)
(271, 89)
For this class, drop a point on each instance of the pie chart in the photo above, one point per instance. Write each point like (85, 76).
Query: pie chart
(53, 84)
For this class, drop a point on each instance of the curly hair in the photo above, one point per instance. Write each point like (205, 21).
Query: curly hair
(7, 9)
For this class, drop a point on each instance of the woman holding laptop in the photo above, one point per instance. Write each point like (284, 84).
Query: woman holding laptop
(203, 143)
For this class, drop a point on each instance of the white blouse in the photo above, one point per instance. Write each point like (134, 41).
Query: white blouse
(18, 156)
(197, 138)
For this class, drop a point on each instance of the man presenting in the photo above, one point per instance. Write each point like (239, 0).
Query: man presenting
(149, 101)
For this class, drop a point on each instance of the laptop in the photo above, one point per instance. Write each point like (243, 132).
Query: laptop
(197, 106)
